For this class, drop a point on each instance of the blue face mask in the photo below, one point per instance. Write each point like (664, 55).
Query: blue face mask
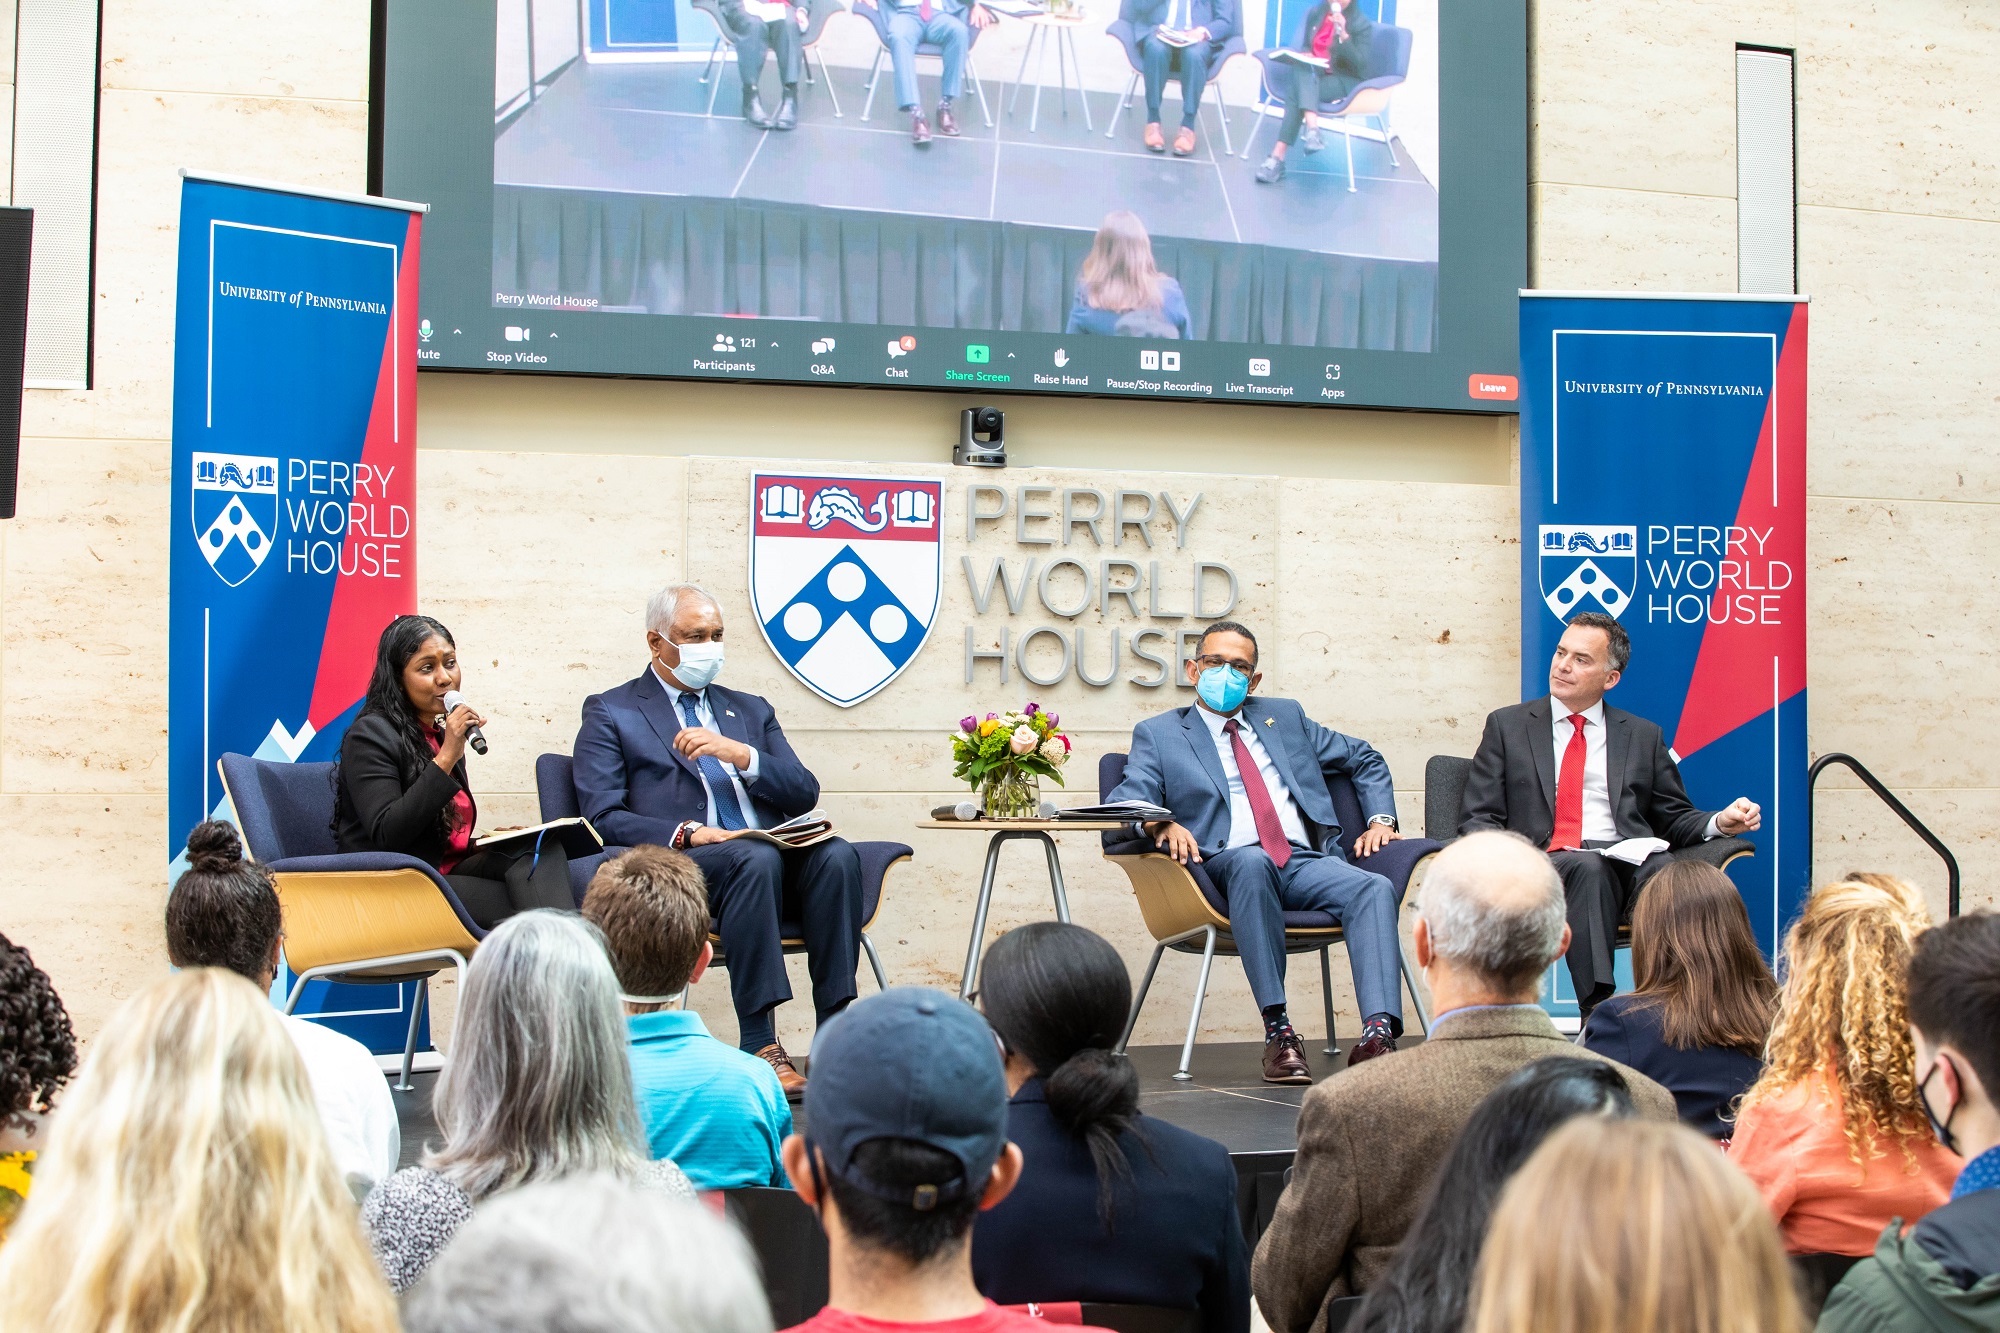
(1223, 688)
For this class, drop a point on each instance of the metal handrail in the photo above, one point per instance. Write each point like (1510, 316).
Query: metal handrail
(1917, 826)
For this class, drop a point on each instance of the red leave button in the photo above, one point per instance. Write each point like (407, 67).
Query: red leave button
(1494, 386)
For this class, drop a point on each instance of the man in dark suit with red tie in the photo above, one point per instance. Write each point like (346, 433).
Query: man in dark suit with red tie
(1571, 775)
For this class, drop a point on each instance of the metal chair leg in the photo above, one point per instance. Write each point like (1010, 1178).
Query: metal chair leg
(1182, 1075)
(1139, 1000)
(874, 77)
(874, 961)
(1125, 101)
(417, 1007)
(1326, 998)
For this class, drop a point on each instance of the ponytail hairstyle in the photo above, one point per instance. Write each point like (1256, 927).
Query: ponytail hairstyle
(386, 698)
(1057, 995)
(223, 910)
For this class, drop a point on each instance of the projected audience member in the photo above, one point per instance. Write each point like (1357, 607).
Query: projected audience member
(947, 25)
(718, 1113)
(1113, 1207)
(1335, 32)
(760, 27)
(1185, 37)
(536, 1087)
(1121, 291)
(223, 912)
(1246, 778)
(36, 1059)
(1428, 1285)
(1696, 1021)
(188, 1184)
(1613, 778)
(674, 760)
(402, 785)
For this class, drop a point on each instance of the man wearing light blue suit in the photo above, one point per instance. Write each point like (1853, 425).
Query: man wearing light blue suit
(1246, 779)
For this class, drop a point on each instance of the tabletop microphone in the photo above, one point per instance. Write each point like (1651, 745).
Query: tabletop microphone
(473, 735)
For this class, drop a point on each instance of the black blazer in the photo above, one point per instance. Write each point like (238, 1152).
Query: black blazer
(1705, 1081)
(376, 812)
(1513, 782)
(1176, 1240)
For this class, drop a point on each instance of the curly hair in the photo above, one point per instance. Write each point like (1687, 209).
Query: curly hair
(37, 1047)
(1843, 1014)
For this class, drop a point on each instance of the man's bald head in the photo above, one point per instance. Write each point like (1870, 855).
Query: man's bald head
(1493, 908)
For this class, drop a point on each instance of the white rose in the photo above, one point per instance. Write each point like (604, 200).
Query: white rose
(1055, 752)
(1024, 740)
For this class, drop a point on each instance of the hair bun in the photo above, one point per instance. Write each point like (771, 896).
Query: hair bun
(214, 846)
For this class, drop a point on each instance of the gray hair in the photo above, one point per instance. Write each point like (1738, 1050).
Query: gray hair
(1494, 906)
(662, 606)
(590, 1254)
(538, 1083)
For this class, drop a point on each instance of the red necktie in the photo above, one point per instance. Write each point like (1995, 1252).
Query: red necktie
(1270, 833)
(1569, 790)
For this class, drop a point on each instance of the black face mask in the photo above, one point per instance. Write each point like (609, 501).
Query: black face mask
(1941, 1128)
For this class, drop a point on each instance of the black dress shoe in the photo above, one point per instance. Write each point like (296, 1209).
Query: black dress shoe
(947, 122)
(1285, 1059)
(920, 129)
(753, 109)
(788, 111)
(1368, 1048)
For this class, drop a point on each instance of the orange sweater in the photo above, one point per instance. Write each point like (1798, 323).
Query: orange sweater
(1795, 1149)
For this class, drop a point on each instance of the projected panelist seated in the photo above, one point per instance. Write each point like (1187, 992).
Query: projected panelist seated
(1570, 774)
(674, 760)
(1246, 779)
(759, 26)
(947, 25)
(1337, 38)
(402, 786)
(1121, 292)
(1184, 36)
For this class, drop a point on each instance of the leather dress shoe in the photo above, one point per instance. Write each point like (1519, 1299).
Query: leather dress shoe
(788, 112)
(789, 1077)
(1285, 1059)
(753, 109)
(920, 129)
(947, 122)
(1368, 1048)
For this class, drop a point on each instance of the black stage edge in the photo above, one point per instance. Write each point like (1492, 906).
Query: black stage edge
(615, 188)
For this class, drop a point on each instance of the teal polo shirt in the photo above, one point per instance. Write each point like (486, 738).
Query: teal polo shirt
(714, 1111)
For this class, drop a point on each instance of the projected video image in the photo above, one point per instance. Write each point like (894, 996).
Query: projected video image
(1235, 171)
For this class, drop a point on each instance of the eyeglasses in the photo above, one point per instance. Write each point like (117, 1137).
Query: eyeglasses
(1209, 661)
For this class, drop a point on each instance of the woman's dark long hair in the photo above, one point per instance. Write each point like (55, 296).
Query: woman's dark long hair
(1058, 995)
(1428, 1285)
(1695, 957)
(388, 699)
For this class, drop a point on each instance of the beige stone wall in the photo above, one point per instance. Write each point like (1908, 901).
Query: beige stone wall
(1382, 543)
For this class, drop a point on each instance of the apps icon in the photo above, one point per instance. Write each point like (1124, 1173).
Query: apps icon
(1170, 361)
(1062, 358)
(1260, 366)
(1149, 360)
(978, 354)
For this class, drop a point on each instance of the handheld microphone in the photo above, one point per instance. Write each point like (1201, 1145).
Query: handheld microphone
(473, 735)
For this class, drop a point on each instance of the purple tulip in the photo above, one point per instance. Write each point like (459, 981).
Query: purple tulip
(968, 724)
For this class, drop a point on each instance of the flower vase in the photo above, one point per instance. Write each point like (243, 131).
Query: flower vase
(1009, 793)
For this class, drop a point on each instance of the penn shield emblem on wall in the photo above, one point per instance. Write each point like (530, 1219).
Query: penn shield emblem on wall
(845, 574)
(235, 512)
(1581, 564)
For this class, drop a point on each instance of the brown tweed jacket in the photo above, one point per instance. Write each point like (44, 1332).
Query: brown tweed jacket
(1369, 1139)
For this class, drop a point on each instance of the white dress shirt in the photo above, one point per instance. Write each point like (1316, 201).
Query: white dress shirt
(354, 1102)
(740, 779)
(1599, 823)
(1243, 824)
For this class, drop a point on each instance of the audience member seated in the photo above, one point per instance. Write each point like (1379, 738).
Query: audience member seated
(590, 1254)
(1618, 1226)
(37, 1056)
(1370, 1140)
(1945, 1274)
(1834, 1133)
(1120, 291)
(402, 785)
(187, 1183)
(536, 1086)
(714, 1111)
(760, 27)
(1113, 1207)
(1183, 36)
(1428, 1286)
(223, 912)
(947, 25)
(1338, 37)
(906, 1141)
(1704, 1001)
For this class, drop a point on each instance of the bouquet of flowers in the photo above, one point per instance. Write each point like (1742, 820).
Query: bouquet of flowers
(1005, 755)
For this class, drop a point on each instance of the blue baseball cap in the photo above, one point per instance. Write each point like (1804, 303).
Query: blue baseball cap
(909, 1063)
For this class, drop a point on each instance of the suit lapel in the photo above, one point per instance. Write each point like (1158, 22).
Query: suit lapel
(1541, 744)
(662, 716)
(1203, 744)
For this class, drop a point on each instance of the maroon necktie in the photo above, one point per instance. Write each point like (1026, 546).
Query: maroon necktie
(1270, 833)
(1569, 790)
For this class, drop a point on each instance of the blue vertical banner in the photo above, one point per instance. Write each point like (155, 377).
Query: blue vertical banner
(1663, 481)
(294, 461)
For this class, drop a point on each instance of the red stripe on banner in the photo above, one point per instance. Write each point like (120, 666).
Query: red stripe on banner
(378, 554)
(1753, 654)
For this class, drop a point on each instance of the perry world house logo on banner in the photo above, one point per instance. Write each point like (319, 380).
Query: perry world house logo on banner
(235, 510)
(844, 576)
(1588, 568)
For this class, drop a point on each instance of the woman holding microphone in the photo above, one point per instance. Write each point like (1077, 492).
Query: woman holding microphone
(401, 784)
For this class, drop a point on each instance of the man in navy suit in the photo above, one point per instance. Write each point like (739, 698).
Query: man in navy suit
(1210, 23)
(1246, 779)
(674, 760)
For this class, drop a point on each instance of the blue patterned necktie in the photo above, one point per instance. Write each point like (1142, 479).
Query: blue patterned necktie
(728, 811)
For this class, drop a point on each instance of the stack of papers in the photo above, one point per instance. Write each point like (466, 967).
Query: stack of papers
(1144, 812)
(809, 828)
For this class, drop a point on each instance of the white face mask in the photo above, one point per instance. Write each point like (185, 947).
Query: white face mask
(700, 664)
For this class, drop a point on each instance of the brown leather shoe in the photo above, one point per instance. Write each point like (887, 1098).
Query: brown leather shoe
(947, 122)
(1285, 1060)
(789, 1077)
(1369, 1048)
(920, 129)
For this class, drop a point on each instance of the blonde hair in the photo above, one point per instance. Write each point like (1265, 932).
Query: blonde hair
(1119, 273)
(188, 1184)
(1843, 1015)
(1630, 1226)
